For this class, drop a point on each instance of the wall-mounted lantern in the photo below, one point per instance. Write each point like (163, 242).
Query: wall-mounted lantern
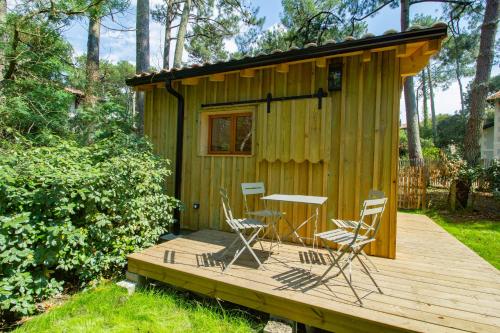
(334, 77)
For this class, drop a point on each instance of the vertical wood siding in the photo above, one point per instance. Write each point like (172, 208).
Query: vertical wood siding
(341, 151)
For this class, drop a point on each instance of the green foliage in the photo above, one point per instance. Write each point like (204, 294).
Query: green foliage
(493, 87)
(20, 285)
(311, 21)
(457, 168)
(111, 88)
(429, 151)
(72, 214)
(77, 194)
(32, 96)
(308, 21)
(491, 175)
(451, 130)
(403, 143)
(215, 22)
(114, 110)
(39, 65)
(494, 84)
(272, 40)
(457, 57)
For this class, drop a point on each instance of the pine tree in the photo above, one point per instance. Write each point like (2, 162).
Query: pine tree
(413, 131)
(3, 14)
(92, 68)
(479, 89)
(142, 55)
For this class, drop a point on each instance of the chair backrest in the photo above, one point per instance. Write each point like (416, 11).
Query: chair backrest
(373, 208)
(225, 205)
(251, 189)
(373, 194)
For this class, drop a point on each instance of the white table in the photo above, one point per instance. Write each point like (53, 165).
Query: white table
(303, 199)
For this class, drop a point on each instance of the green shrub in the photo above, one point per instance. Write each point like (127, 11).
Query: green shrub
(429, 150)
(492, 176)
(72, 214)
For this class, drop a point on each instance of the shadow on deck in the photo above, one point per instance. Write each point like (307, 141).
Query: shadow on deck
(435, 284)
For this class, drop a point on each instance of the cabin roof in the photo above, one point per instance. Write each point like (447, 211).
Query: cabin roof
(494, 96)
(488, 124)
(350, 44)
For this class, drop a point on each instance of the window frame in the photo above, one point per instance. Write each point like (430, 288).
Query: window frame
(232, 144)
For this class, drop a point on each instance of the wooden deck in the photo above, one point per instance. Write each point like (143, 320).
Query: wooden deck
(436, 284)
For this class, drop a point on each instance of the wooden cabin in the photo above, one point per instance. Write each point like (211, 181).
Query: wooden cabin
(322, 120)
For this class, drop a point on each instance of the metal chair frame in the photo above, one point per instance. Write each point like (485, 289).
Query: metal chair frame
(239, 226)
(350, 225)
(259, 189)
(352, 244)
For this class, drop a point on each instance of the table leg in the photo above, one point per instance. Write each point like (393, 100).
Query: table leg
(272, 225)
(316, 228)
(294, 231)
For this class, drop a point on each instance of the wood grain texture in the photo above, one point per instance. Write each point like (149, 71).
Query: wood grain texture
(341, 151)
(436, 284)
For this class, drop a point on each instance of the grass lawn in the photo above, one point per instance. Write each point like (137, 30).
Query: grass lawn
(109, 308)
(482, 236)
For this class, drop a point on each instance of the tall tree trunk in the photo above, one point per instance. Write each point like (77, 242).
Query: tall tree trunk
(142, 55)
(3, 39)
(460, 88)
(479, 89)
(414, 148)
(166, 47)
(168, 35)
(433, 108)
(458, 74)
(181, 34)
(417, 110)
(92, 66)
(425, 108)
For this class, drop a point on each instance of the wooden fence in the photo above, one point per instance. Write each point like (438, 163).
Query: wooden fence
(412, 186)
(415, 176)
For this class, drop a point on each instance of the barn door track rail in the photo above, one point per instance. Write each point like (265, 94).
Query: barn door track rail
(269, 98)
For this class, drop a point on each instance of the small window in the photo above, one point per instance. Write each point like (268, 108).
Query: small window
(230, 133)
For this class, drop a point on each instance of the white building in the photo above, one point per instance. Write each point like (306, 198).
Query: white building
(490, 139)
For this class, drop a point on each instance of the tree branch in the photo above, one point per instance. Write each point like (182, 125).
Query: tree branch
(459, 2)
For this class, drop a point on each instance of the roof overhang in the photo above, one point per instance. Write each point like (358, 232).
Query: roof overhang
(488, 125)
(417, 56)
(494, 97)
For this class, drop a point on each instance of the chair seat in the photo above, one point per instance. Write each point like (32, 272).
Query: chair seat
(340, 236)
(266, 213)
(243, 224)
(348, 224)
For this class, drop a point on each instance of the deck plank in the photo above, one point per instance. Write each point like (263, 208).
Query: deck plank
(440, 286)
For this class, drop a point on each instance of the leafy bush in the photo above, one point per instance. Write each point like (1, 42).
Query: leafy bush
(429, 150)
(491, 175)
(403, 143)
(72, 214)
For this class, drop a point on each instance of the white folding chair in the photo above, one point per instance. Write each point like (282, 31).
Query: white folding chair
(351, 243)
(241, 227)
(273, 215)
(350, 225)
